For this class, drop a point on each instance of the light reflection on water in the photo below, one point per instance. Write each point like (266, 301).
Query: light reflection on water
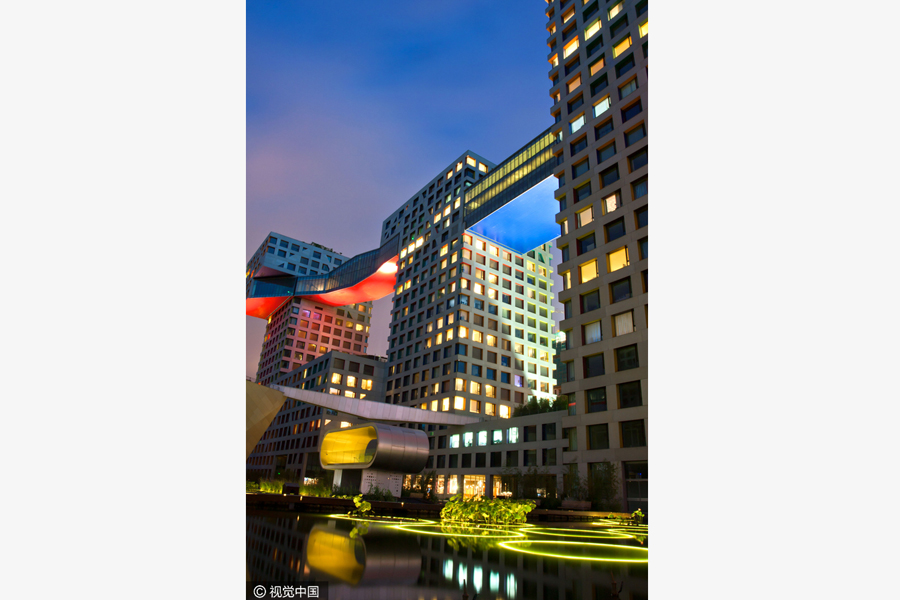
(375, 561)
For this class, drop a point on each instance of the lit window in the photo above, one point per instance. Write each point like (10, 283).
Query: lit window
(588, 271)
(463, 332)
(350, 394)
(334, 391)
(490, 410)
(602, 106)
(445, 403)
(345, 424)
(622, 46)
(434, 405)
(459, 385)
(367, 384)
(470, 161)
(615, 10)
(592, 29)
(454, 441)
(475, 388)
(504, 412)
(554, 60)
(459, 403)
(336, 378)
(586, 216)
(482, 167)
(513, 434)
(351, 381)
(643, 29)
(618, 259)
(475, 406)
(468, 439)
(577, 124)
(570, 48)
(567, 16)
(611, 203)
(572, 85)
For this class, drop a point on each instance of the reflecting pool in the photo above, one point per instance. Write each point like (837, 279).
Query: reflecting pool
(431, 561)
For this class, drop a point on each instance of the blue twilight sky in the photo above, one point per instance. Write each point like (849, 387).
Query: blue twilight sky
(352, 107)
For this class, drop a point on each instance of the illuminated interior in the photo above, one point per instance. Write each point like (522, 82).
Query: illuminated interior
(473, 485)
(351, 447)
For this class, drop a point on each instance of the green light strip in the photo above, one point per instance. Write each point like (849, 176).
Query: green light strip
(504, 534)
(385, 521)
(583, 533)
(508, 545)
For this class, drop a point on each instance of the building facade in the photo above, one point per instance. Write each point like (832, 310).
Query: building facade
(598, 74)
(301, 330)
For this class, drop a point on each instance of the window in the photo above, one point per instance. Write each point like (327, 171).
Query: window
(617, 259)
(606, 152)
(512, 435)
(601, 106)
(482, 438)
(454, 441)
(637, 160)
(615, 229)
(603, 129)
(625, 65)
(586, 216)
(629, 112)
(580, 168)
(569, 48)
(594, 27)
(586, 244)
(599, 85)
(573, 84)
(591, 332)
(627, 89)
(578, 146)
(598, 437)
(588, 271)
(615, 10)
(611, 202)
(574, 104)
(630, 394)
(609, 176)
(590, 301)
(468, 439)
(627, 358)
(642, 248)
(595, 400)
(640, 217)
(643, 29)
(576, 123)
(593, 365)
(633, 434)
(582, 192)
(635, 135)
(623, 323)
(620, 290)
(619, 26)
(639, 190)
(594, 68)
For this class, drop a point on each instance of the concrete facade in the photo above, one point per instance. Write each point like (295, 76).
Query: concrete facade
(598, 74)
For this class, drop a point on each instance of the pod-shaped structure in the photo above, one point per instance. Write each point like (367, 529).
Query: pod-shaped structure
(375, 446)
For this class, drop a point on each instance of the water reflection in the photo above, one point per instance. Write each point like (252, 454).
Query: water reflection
(377, 561)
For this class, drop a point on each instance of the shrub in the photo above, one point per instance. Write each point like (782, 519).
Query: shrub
(252, 486)
(376, 493)
(480, 510)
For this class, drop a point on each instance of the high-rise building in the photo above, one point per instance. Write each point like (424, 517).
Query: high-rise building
(300, 329)
(598, 74)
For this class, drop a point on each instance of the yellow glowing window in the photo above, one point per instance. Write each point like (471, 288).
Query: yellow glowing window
(447, 210)
(552, 29)
(592, 29)
(419, 242)
(479, 244)
(588, 271)
(444, 249)
(449, 173)
(452, 484)
(504, 412)
(491, 392)
(403, 253)
(569, 48)
(586, 216)
(459, 166)
(434, 405)
(492, 278)
(489, 408)
(366, 384)
(334, 391)
(440, 322)
(344, 424)
(359, 327)
(567, 16)
(476, 336)
(554, 60)
(463, 332)
(643, 29)
(464, 284)
(572, 85)
(445, 404)
(350, 394)
(351, 381)
(494, 250)
(618, 259)
(459, 403)
(467, 239)
(459, 385)
(492, 341)
(423, 406)
(479, 289)
(566, 279)
(482, 167)
(454, 257)
(470, 161)
(475, 387)
(456, 204)
(622, 46)
(615, 10)
(475, 407)
(450, 318)
(336, 378)
(530, 266)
